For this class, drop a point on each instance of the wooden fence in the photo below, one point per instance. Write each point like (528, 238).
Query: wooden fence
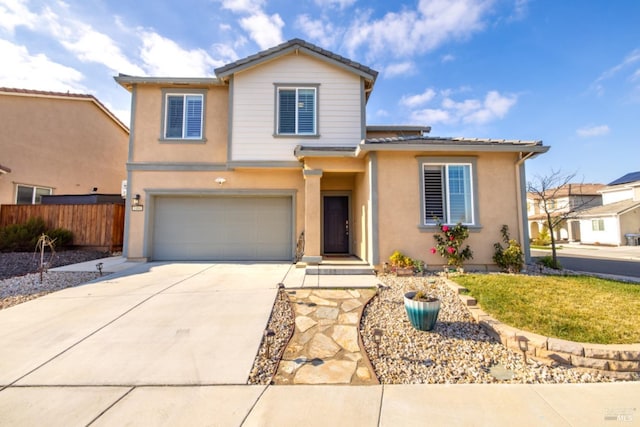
(100, 226)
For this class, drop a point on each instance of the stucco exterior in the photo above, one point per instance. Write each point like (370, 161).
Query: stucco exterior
(375, 175)
(68, 143)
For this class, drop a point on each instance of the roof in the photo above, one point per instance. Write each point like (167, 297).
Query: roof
(127, 81)
(295, 45)
(612, 209)
(4, 169)
(398, 128)
(630, 177)
(66, 96)
(579, 189)
(434, 143)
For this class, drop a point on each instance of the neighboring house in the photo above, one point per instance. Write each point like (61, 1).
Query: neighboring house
(570, 198)
(617, 221)
(58, 143)
(275, 153)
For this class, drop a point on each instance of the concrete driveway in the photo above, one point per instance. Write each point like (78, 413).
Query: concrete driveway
(156, 324)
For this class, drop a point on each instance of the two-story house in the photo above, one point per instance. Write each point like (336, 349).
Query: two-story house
(58, 143)
(567, 200)
(274, 157)
(617, 221)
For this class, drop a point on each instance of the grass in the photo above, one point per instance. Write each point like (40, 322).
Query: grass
(545, 247)
(578, 308)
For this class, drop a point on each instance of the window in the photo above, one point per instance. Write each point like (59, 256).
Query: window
(30, 195)
(448, 193)
(597, 225)
(296, 111)
(183, 116)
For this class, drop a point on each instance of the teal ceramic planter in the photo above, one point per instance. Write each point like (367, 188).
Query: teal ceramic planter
(422, 314)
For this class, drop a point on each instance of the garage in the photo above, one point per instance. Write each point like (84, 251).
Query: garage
(222, 228)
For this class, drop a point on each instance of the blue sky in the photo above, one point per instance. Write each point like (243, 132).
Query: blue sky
(565, 72)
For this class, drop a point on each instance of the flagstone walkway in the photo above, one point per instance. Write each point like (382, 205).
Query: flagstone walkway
(325, 347)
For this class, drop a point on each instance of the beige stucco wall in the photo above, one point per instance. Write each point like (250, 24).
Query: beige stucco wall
(148, 113)
(399, 199)
(70, 145)
(239, 182)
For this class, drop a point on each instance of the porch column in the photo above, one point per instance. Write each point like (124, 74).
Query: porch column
(312, 216)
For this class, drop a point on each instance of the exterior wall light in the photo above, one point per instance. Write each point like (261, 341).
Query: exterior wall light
(136, 200)
(220, 180)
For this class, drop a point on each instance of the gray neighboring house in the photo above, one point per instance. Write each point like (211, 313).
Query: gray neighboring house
(617, 221)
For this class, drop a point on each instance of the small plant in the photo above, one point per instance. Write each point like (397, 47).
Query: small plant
(424, 297)
(400, 260)
(449, 244)
(24, 237)
(544, 238)
(510, 259)
(547, 261)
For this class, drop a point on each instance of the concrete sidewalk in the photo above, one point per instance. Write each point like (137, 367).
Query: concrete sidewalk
(391, 405)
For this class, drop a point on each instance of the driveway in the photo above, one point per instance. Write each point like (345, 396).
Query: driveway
(156, 324)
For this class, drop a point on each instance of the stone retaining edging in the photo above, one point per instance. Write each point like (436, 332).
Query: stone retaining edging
(620, 361)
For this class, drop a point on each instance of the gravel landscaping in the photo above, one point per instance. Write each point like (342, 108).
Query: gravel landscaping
(20, 282)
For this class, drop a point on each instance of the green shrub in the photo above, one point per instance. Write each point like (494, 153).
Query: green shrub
(547, 261)
(61, 237)
(510, 259)
(24, 237)
(544, 238)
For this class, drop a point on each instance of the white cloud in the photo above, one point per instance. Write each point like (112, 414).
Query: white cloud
(400, 69)
(249, 6)
(592, 131)
(417, 100)
(431, 116)
(340, 4)
(627, 62)
(263, 29)
(320, 32)
(472, 111)
(432, 24)
(495, 106)
(36, 71)
(520, 10)
(448, 58)
(15, 13)
(164, 57)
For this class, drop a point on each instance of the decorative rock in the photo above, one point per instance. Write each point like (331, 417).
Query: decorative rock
(354, 293)
(304, 309)
(336, 294)
(348, 318)
(327, 313)
(356, 357)
(624, 366)
(322, 346)
(554, 344)
(321, 301)
(303, 323)
(330, 372)
(351, 304)
(363, 373)
(586, 362)
(601, 353)
(629, 355)
(346, 337)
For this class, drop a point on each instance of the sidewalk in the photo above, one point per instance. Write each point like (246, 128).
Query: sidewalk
(392, 405)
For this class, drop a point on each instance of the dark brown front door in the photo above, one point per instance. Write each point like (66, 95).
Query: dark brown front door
(336, 224)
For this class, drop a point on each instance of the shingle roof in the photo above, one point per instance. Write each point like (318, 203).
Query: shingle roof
(76, 96)
(630, 177)
(290, 45)
(616, 208)
(417, 139)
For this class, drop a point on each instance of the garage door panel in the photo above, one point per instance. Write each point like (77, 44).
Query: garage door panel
(222, 228)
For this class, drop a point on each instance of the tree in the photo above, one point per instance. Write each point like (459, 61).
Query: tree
(548, 190)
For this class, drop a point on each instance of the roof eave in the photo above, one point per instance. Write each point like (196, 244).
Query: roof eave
(128, 82)
(301, 152)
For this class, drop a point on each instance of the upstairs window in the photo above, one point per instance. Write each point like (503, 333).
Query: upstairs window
(183, 116)
(30, 195)
(297, 111)
(448, 194)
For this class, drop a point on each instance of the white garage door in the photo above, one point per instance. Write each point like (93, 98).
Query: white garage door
(222, 228)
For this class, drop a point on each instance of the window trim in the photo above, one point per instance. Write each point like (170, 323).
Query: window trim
(472, 162)
(166, 92)
(597, 224)
(316, 112)
(34, 188)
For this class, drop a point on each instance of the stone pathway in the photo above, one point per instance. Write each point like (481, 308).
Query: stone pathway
(325, 347)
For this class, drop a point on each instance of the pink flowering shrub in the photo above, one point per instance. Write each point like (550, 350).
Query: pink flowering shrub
(449, 244)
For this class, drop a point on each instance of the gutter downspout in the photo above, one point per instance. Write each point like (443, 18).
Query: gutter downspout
(521, 191)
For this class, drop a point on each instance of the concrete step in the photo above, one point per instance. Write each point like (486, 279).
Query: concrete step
(339, 270)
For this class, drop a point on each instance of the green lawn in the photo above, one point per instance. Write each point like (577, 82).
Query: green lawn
(581, 308)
